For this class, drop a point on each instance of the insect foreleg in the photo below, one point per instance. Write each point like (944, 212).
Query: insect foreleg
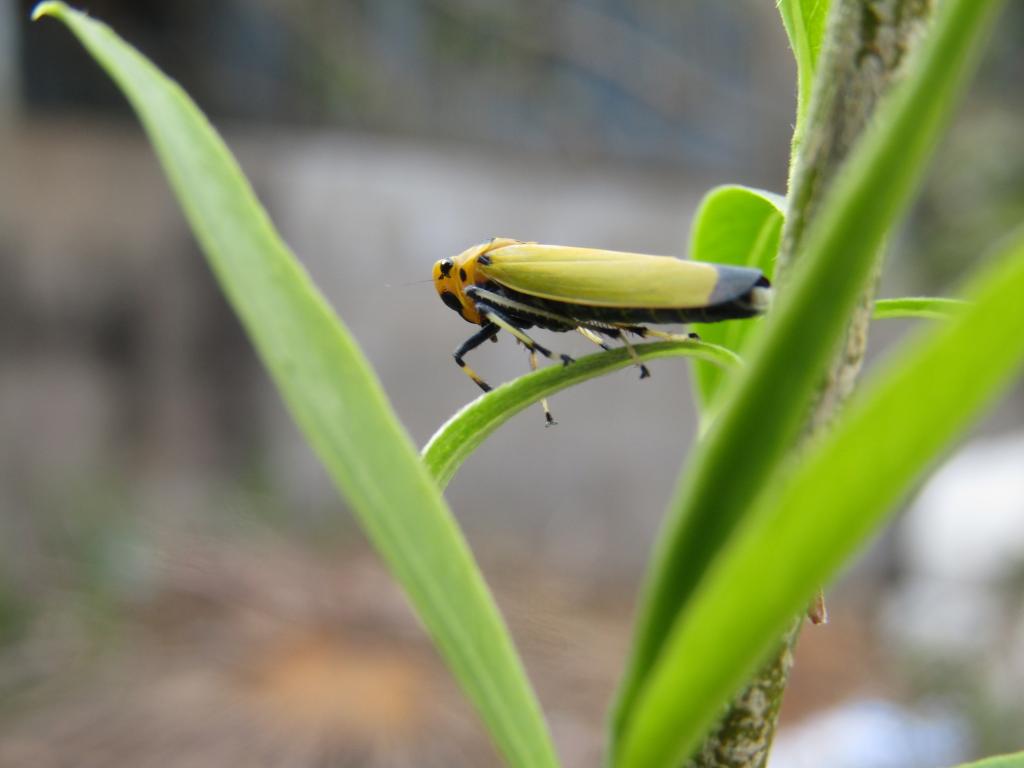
(489, 331)
(494, 316)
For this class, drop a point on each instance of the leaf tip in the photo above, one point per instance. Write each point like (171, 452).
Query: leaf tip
(48, 8)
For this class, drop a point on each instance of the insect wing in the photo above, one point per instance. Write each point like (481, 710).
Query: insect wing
(602, 278)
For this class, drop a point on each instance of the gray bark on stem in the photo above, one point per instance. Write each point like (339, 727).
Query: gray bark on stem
(865, 48)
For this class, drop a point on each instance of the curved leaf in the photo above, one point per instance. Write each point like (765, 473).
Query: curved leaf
(928, 307)
(826, 505)
(332, 394)
(741, 226)
(1015, 760)
(765, 408)
(453, 443)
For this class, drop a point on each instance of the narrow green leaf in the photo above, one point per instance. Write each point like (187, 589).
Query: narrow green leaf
(741, 226)
(457, 438)
(333, 395)
(765, 408)
(826, 505)
(1015, 760)
(928, 307)
(805, 22)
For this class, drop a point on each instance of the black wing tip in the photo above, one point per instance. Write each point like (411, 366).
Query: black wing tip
(736, 282)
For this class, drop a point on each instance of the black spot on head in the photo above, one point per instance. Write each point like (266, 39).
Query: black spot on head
(462, 274)
(446, 267)
(451, 301)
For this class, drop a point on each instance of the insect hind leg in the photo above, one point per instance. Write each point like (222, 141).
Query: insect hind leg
(645, 332)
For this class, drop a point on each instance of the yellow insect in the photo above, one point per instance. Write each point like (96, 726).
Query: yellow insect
(514, 285)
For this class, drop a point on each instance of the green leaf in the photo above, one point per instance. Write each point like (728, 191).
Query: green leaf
(805, 22)
(332, 394)
(741, 226)
(927, 307)
(766, 407)
(1015, 760)
(824, 507)
(456, 440)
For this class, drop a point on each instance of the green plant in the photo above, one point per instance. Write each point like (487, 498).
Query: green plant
(746, 503)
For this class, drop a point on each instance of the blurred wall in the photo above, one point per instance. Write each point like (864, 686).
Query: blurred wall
(123, 354)
(577, 122)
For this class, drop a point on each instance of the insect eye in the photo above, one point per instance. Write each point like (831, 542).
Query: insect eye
(446, 267)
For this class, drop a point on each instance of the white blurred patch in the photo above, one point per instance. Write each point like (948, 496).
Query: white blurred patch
(962, 544)
(872, 734)
(968, 522)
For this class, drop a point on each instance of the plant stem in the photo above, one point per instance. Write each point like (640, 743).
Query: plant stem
(865, 48)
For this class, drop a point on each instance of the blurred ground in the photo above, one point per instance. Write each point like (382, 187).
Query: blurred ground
(179, 584)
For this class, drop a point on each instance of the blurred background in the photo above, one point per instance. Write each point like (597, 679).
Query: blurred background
(179, 583)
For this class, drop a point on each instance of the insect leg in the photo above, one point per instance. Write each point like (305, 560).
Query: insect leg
(589, 335)
(495, 317)
(489, 331)
(615, 333)
(668, 336)
(644, 372)
(549, 420)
